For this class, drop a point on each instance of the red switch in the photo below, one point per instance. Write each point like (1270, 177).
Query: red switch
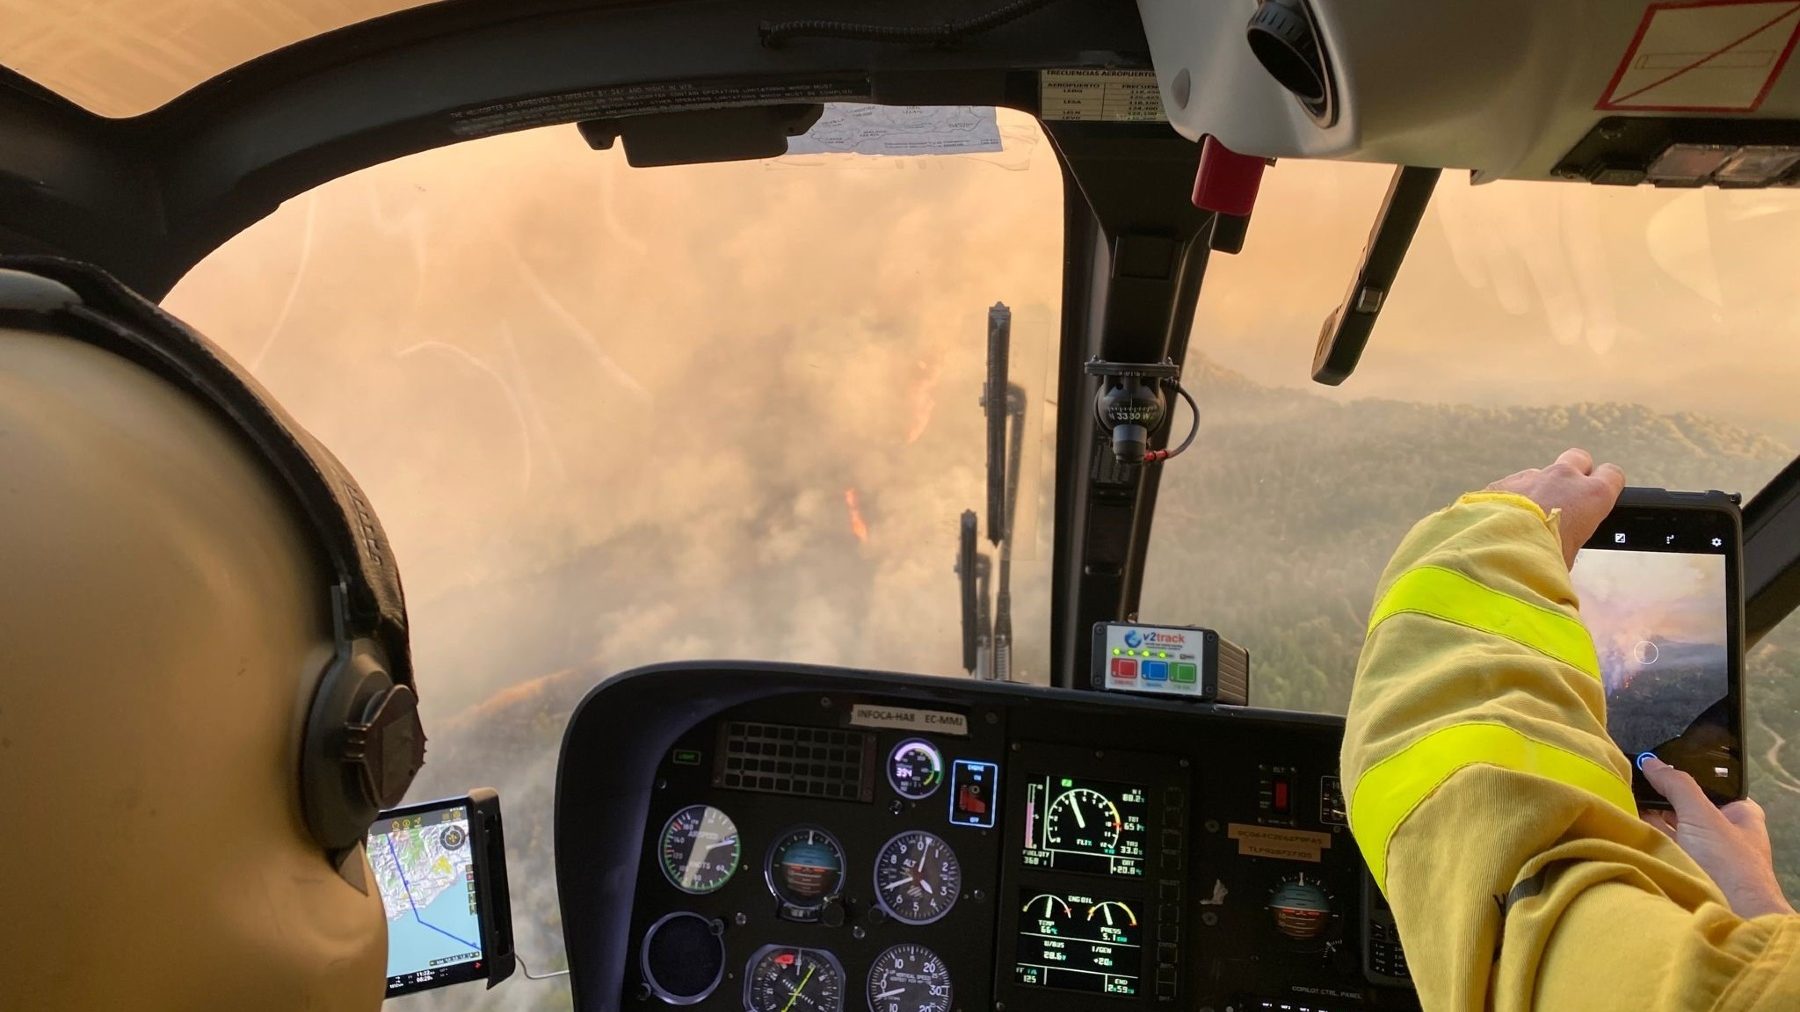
(1280, 799)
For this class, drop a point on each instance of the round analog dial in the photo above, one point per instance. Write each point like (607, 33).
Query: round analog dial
(915, 769)
(699, 849)
(917, 877)
(805, 868)
(909, 978)
(1302, 907)
(786, 979)
(1083, 819)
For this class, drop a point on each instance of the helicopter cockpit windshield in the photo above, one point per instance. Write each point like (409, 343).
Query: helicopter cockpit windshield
(663, 333)
(647, 415)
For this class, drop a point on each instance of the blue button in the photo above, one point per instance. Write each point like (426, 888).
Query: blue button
(1155, 671)
(1642, 756)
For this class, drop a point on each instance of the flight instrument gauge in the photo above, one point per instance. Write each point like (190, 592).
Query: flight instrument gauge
(699, 849)
(1302, 907)
(915, 769)
(917, 877)
(782, 978)
(805, 870)
(909, 978)
(1083, 819)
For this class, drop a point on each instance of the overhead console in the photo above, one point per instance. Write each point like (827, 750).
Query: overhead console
(1532, 89)
(789, 839)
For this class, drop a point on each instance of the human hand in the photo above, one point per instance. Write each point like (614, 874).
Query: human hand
(1585, 494)
(1730, 844)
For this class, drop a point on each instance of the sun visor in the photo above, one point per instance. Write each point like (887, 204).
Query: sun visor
(1509, 90)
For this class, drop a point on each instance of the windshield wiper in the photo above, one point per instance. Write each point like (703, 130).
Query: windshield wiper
(987, 640)
(1347, 329)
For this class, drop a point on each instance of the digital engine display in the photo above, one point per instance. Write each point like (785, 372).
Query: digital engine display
(1077, 942)
(1075, 824)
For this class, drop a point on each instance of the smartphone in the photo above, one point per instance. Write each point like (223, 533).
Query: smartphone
(1661, 590)
(441, 870)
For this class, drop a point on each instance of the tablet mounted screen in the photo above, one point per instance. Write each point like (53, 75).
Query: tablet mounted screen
(440, 867)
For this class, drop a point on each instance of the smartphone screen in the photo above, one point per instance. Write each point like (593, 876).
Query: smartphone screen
(1657, 592)
(425, 862)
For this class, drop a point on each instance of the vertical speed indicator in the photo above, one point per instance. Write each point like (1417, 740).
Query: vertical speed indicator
(909, 978)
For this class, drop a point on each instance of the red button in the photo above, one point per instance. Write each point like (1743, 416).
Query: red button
(1124, 667)
(1281, 795)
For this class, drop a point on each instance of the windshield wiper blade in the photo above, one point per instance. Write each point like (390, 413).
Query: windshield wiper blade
(994, 398)
(965, 576)
(1347, 329)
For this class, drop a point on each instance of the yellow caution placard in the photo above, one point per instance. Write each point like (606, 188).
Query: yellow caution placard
(1276, 841)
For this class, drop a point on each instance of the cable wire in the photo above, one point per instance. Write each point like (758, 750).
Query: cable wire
(1158, 456)
(526, 970)
(942, 33)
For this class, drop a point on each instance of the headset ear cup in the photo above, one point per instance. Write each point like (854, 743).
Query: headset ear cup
(364, 743)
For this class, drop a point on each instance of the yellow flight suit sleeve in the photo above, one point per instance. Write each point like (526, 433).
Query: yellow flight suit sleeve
(1497, 814)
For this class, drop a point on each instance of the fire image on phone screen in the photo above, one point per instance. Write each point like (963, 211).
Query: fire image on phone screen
(1659, 625)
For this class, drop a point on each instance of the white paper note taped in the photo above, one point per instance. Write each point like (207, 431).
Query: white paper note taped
(856, 128)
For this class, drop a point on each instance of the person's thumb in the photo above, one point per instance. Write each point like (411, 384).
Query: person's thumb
(1681, 790)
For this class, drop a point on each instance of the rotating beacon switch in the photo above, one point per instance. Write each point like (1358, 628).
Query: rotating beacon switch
(1165, 660)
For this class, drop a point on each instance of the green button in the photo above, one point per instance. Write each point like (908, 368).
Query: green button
(1185, 672)
(687, 757)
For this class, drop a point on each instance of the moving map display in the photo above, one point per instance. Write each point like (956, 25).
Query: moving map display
(424, 867)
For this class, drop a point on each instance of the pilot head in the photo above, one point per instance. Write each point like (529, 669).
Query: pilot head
(165, 619)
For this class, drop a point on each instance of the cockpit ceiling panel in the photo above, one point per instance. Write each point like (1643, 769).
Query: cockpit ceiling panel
(1503, 89)
(126, 57)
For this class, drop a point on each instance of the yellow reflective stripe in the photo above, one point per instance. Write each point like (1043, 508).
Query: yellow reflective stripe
(1449, 595)
(1393, 787)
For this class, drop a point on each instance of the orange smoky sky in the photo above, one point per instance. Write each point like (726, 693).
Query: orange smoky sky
(615, 411)
(561, 377)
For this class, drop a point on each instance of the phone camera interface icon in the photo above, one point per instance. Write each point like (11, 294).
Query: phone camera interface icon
(1718, 542)
(1619, 538)
(1668, 539)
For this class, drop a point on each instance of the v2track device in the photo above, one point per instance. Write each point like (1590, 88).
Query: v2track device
(1187, 662)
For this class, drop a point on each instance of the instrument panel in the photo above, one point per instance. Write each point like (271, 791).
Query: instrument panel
(759, 838)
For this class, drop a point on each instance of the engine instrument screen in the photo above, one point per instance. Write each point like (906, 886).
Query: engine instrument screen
(1074, 824)
(1078, 943)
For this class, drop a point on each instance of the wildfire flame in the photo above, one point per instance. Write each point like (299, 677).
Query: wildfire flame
(922, 399)
(857, 526)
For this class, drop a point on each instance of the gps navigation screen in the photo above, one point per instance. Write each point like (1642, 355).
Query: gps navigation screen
(1659, 626)
(424, 867)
